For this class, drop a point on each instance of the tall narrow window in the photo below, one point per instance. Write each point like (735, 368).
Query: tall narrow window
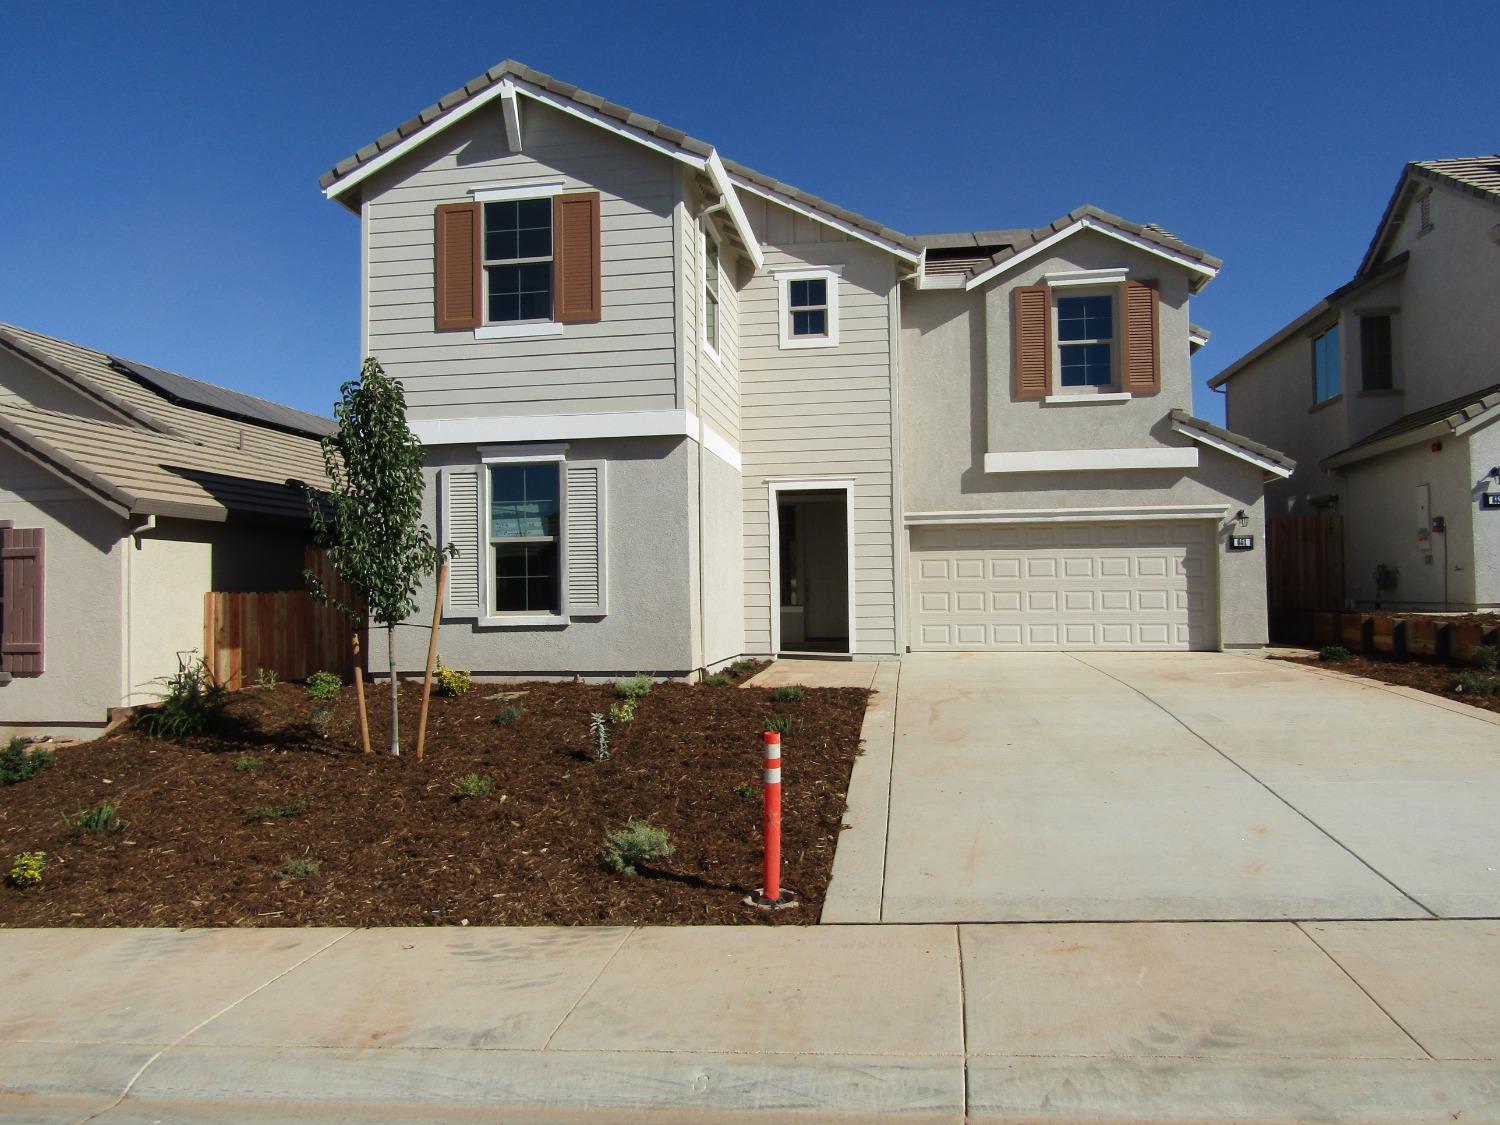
(524, 538)
(1376, 359)
(1086, 341)
(807, 304)
(1327, 378)
(518, 260)
(710, 291)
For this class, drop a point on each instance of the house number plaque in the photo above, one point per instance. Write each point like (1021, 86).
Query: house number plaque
(1242, 542)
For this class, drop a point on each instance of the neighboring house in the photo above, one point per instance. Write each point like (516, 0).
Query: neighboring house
(1385, 393)
(678, 411)
(127, 493)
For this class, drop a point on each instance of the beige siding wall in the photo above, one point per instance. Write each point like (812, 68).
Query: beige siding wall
(820, 413)
(627, 361)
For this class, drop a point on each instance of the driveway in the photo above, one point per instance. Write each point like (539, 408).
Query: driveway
(1137, 787)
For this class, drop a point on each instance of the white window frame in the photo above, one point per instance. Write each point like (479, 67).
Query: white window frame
(514, 193)
(1062, 289)
(710, 347)
(518, 455)
(784, 278)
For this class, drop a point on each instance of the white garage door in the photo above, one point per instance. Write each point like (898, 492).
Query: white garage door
(1058, 586)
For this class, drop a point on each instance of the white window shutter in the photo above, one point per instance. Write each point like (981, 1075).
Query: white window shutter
(585, 578)
(462, 498)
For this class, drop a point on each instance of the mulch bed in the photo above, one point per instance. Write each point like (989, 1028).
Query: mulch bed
(393, 843)
(1424, 675)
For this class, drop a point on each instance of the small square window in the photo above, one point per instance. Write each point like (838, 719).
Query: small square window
(809, 308)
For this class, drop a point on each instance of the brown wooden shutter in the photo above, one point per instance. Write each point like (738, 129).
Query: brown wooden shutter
(576, 295)
(459, 295)
(1033, 341)
(22, 564)
(1142, 347)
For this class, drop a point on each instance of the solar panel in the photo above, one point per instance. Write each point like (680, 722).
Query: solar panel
(183, 391)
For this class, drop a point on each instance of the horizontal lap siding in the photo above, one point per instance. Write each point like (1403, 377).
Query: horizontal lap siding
(627, 361)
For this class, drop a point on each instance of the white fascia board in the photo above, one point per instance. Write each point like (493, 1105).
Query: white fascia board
(1197, 340)
(720, 177)
(1091, 460)
(721, 447)
(1438, 429)
(555, 427)
(940, 281)
(1070, 515)
(1275, 468)
(827, 220)
(1464, 429)
(511, 105)
(1207, 272)
(1062, 279)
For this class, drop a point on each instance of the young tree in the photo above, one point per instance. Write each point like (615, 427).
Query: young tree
(371, 521)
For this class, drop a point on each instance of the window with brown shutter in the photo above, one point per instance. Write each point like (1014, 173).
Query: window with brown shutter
(1033, 342)
(575, 222)
(1142, 374)
(22, 600)
(459, 292)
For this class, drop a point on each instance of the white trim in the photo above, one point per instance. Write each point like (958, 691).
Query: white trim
(518, 330)
(1064, 279)
(1076, 400)
(1083, 460)
(517, 454)
(1070, 515)
(836, 268)
(1478, 422)
(720, 177)
(520, 620)
(775, 488)
(517, 189)
(1275, 468)
(1207, 272)
(510, 105)
(721, 447)
(1196, 339)
(555, 427)
(826, 219)
(784, 278)
(940, 281)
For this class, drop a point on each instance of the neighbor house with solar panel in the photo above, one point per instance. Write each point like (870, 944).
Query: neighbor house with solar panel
(127, 494)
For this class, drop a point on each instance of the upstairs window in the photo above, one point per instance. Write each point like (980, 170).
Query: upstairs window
(808, 306)
(524, 534)
(807, 302)
(1376, 357)
(1086, 341)
(711, 292)
(518, 260)
(1328, 380)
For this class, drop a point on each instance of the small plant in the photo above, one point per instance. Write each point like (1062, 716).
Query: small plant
(599, 736)
(300, 867)
(266, 679)
(96, 821)
(247, 763)
(321, 718)
(789, 694)
(17, 763)
(27, 869)
(718, 679)
(324, 686)
(191, 703)
(294, 806)
(623, 711)
(1487, 657)
(471, 786)
(783, 724)
(450, 682)
(740, 667)
(1334, 654)
(1478, 683)
(637, 842)
(745, 789)
(507, 714)
(634, 687)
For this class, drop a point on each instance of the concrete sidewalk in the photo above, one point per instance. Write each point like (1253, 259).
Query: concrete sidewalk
(1358, 1021)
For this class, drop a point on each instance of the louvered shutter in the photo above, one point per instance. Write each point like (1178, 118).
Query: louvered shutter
(22, 572)
(1142, 334)
(462, 497)
(575, 254)
(1033, 341)
(585, 550)
(458, 290)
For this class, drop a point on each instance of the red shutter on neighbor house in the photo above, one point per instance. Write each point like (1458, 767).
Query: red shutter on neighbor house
(1033, 341)
(575, 255)
(459, 292)
(22, 563)
(1142, 335)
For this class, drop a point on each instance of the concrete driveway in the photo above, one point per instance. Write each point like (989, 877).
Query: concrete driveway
(1123, 787)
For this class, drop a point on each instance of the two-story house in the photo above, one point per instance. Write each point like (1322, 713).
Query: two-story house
(1385, 390)
(678, 411)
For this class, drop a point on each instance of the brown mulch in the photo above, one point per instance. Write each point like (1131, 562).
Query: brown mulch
(394, 844)
(1424, 675)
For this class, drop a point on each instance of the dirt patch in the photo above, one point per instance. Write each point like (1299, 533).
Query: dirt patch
(1424, 675)
(394, 845)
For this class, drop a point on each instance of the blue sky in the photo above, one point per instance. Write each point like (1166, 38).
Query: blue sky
(159, 180)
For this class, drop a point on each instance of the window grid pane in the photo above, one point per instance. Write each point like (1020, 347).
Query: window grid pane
(526, 578)
(1086, 365)
(518, 233)
(1085, 318)
(523, 501)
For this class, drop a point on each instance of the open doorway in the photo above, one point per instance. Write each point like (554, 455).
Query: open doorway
(812, 564)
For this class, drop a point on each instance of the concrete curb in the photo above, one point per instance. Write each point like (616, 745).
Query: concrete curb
(1446, 704)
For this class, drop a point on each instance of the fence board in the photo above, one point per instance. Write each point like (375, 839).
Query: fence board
(1304, 573)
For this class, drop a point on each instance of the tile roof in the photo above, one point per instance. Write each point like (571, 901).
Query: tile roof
(1478, 176)
(1229, 437)
(1454, 413)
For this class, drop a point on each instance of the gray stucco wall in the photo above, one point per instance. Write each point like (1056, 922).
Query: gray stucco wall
(723, 560)
(1484, 456)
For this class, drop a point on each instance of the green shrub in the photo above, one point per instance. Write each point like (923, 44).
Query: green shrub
(599, 736)
(623, 711)
(450, 682)
(745, 789)
(27, 868)
(783, 724)
(637, 842)
(17, 763)
(740, 667)
(718, 679)
(634, 687)
(300, 867)
(96, 821)
(191, 704)
(293, 806)
(324, 686)
(266, 679)
(1478, 683)
(1334, 654)
(1487, 657)
(790, 694)
(472, 785)
(247, 763)
(507, 714)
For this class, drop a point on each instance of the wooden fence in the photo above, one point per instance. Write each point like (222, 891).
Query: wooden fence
(283, 631)
(1304, 573)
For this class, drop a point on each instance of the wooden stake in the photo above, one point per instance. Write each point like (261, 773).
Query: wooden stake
(432, 648)
(359, 691)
